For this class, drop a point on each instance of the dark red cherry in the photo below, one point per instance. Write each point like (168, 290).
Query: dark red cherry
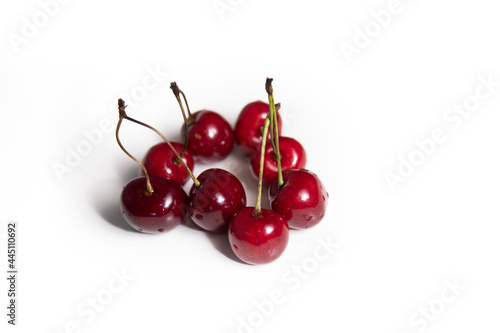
(210, 138)
(157, 213)
(249, 126)
(293, 156)
(160, 161)
(219, 196)
(258, 239)
(302, 199)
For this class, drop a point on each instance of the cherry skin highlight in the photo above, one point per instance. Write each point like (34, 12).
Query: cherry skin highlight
(160, 161)
(220, 195)
(210, 137)
(249, 126)
(160, 212)
(302, 199)
(293, 156)
(258, 239)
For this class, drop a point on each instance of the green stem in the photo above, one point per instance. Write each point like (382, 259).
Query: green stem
(257, 210)
(273, 143)
(271, 136)
(273, 113)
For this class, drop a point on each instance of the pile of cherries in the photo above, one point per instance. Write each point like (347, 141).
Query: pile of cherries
(156, 202)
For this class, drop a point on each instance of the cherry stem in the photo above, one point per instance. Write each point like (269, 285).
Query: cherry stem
(121, 109)
(257, 210)
(278, 107)
(190, 116)
(274, 115)
(124, 116)
(187, 122)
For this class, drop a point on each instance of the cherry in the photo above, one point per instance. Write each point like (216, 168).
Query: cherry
(150, 204)
(161, 161)
(293, 156)
(209, 136)
(153, 213)
(302, 199)
(258, 239)
(249, 127)
(212, 204)
(258, 236)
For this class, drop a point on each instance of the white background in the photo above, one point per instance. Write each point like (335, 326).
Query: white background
(396, 249)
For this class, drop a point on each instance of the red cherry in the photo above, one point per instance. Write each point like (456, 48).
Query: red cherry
(258, 239)
(219, 196)
(211, 138)
(302, 199)
(160, 161)
(293, 156)
(248, 129)
(155, 213)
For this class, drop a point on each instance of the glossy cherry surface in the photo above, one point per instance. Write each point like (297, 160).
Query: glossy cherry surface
(160, 161)
(210, 137)
(160, 212)
(293, 156)
(258, 239)
(302, 200)
(219, 196)
(249, 126)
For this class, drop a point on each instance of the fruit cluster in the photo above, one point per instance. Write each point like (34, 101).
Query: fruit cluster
(156, 202)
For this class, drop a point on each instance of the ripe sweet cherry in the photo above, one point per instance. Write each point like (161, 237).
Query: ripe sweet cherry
(209, 136)
(293, 156)
(250, 126)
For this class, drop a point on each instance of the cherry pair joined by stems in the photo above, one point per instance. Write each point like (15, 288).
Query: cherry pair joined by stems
(256, 235)
(208, 135)
(162, 161)
(216, 194)
(297, 194)
(248, 134)
(150, 204)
